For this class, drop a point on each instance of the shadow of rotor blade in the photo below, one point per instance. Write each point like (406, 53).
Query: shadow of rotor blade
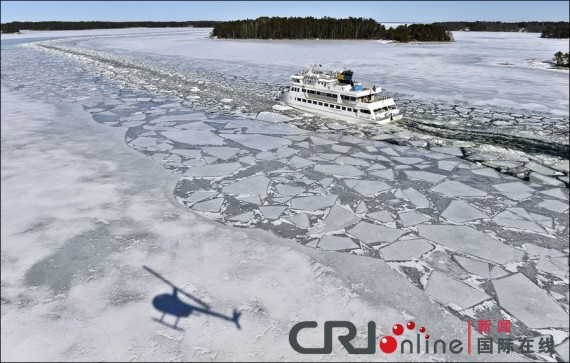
(194, 298)
(190, 296)
(158, 276)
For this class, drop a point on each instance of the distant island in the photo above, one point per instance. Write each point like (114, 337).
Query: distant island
(16, 26)
(549, 29)
(327, 28)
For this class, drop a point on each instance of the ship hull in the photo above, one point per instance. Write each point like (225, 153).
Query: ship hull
(334, 113)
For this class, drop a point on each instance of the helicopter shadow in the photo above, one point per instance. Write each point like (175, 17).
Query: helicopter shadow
(170, 304)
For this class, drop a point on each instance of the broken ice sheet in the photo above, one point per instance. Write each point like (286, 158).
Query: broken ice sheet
(387, 174)
(143, 142)
(313, 203)
(460, 211)
(406, 160)
(545, 265)
(272, 212)
(454, 188)
(447, 165)
(338, 170)
(512, 220)
(440, 261)
(336, 243)
(212, 205)
(487, 172)
(536, 310)
(373, 233)
(411, 218)
(456, 294)
(285, 189)
(199, 196)
(367, 187)
(351, 161)
(272, 117)
(424, 175)
(193, 137)
(258, 142)
(300, 219)
(299, 162)
(455, 151)
(222, 152)
(381, 216)
(554, 205)
(243, 217)
(411, 249)
(470, 241)
(188, 153)
(417, 198)
(215, 170)
(515, 190)
(255, 185)
(556, 193)
(338, 218)
(534, 250)
(473, 266)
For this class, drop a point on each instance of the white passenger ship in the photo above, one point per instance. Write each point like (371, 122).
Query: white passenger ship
(335, 94)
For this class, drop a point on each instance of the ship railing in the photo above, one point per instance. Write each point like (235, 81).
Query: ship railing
(376, 99)
(322, 98)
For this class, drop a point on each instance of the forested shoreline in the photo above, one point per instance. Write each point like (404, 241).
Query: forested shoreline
(310, 28)
(326, 28)
(548, 29)
(16, 26)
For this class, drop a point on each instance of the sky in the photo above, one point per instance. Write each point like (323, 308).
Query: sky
(383, 11)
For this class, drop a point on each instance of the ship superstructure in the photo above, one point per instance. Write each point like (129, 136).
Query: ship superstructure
(335, 94)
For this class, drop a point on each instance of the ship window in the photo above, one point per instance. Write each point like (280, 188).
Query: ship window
(332, 106)
(338, 107)
(326, 104)
(320, 103)
(365, 111)
(344, 109)
(304, 100)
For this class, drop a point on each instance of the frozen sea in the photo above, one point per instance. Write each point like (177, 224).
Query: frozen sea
(163, 148)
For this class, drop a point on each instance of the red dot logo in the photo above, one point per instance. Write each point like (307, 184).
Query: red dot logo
(398, 329)
(388, 344)
(411, 325)
(422, 330)
(427, 336)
